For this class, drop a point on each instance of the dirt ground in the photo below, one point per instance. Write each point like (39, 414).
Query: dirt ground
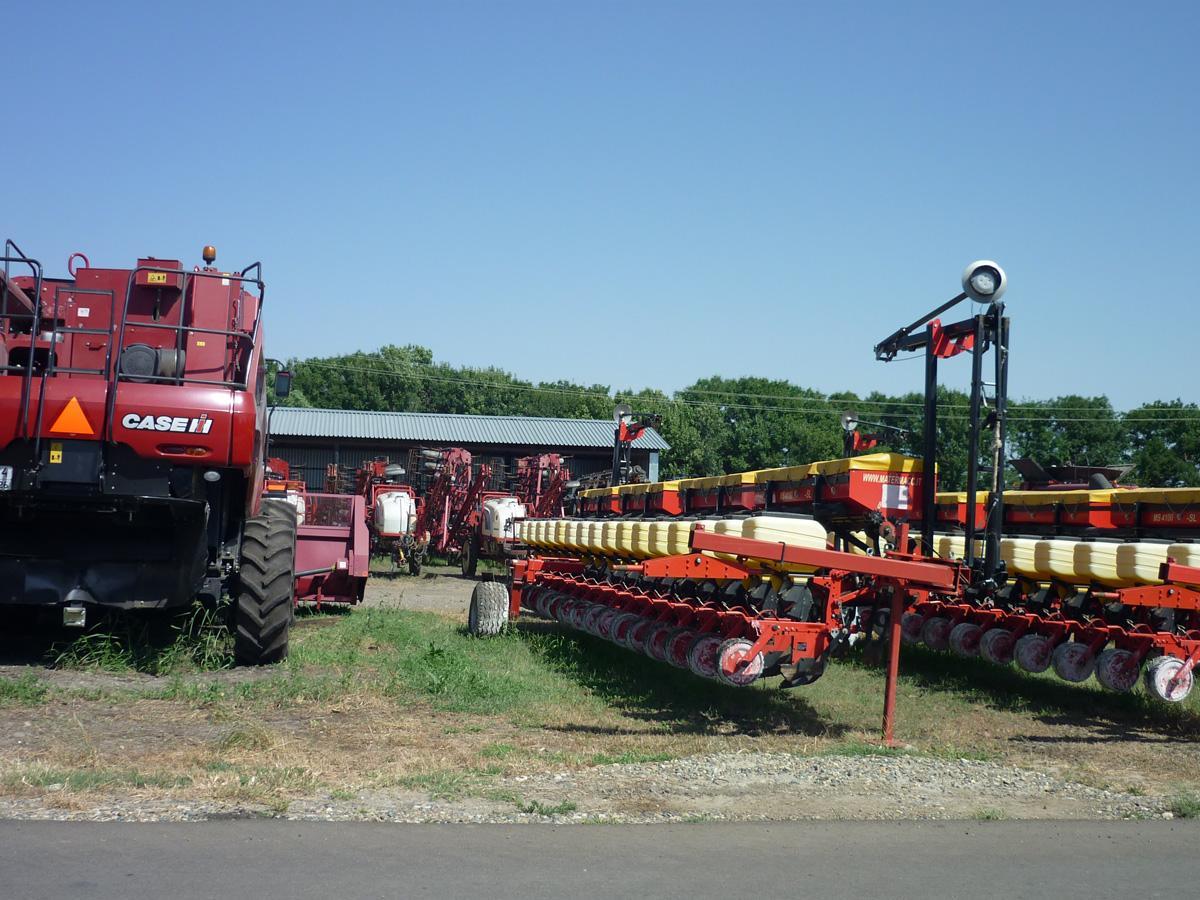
(130, 746)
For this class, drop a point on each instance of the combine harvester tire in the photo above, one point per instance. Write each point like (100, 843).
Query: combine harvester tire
(263, 613)
(489, 609)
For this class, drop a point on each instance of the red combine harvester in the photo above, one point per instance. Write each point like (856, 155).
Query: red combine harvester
(332, 542)
(132, 436)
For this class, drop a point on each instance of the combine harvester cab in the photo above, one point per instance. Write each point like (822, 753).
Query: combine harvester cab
(132, 431)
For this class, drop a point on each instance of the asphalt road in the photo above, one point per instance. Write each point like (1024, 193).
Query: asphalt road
(276, 859)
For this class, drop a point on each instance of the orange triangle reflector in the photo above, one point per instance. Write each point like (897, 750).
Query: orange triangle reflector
(72, 420)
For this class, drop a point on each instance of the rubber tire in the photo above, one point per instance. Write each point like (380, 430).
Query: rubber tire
(266, 583)
(489, 609)
(1158, 674)
(1116, 672)
(910, 628)
(468, 560)
(747, 676)
(677, 655)
(1019, 651)
(935, 633)
(702, 656)
(1073, 662)
(964, 639)
(996, 646)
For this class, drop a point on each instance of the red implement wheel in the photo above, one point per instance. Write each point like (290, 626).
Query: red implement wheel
(964, 639)
(619, 632)
(910, 627)
(635, 640)
(996, 645)
(591, 619)
(735, 666)
(1166, 680)
(1073, 661)
(935, 633)
(554, 606)
(656, 642)
(679, 642)
(605, 623)
(1032, 653)
(1117, 670)
(702, 655)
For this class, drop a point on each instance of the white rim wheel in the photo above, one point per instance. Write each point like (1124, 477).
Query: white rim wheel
(620, 628)
(591, 618)
(1032, 653)
(635, 640)
(964, 639)
(702, 657)
(605, 623)
(679, 642)
(910, 627)
(996, 646)
(935, 633)
(1117, 670)
(1158, 679)
(656, 641)
(1073, 661)
(734, 664)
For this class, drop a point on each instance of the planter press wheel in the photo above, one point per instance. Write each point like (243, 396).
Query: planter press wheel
(1033, 652)
(964, 639)
(679, 643)
(702, 655)
(996, 646)
(1160, 674)
(656, 641)
(1073, 661)
(935, 633)
(1117, 670)
(910, 627)
(735, 666)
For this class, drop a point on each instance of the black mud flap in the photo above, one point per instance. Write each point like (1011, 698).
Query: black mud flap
(119, 552)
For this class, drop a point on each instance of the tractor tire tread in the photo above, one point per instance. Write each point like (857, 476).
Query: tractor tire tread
(263, 611)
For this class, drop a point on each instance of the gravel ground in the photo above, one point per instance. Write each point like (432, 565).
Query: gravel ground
(720, 787)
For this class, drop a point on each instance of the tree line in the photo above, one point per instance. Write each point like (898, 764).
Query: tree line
(720, 424)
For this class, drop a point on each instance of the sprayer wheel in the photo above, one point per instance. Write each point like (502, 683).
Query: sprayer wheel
(964, 639)
(266, 581)
(935, 633)
(489, 609)
(1032, 653)
(1073, 661)
(1159, 674)
(734, 665)
(996, 646)
(1117, 670)
(702, 656)
(469, 559)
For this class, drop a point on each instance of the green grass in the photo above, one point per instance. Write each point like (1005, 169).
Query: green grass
(629, 757)
(1186, 806)
(195, 641)
(76, 780)
(537, 808)
(25, 690)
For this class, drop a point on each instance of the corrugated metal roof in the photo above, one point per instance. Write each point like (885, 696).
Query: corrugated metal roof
(439, 428)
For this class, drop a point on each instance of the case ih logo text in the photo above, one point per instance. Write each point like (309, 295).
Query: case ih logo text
(138, 422)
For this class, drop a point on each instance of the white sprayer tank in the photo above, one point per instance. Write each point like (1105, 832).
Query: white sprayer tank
(395, 513)
(498, 516)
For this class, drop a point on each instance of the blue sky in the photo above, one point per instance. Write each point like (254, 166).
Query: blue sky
(637, 193)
